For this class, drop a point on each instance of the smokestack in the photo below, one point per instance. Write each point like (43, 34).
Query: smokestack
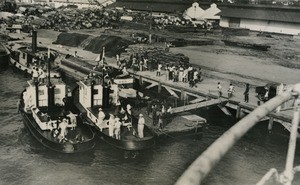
(34, 41)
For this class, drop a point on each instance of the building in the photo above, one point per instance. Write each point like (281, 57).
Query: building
(270, 19)
(196, 13)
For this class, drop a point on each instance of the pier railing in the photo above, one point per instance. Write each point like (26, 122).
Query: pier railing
(198, 170)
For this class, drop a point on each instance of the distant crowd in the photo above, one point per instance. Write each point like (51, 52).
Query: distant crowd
(177, 72)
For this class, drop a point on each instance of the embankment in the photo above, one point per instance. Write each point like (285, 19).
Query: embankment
(112, 44)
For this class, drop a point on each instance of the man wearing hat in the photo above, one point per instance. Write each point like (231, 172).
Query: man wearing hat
(141, 124)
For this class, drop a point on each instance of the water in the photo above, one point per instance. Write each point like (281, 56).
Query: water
(24, 161)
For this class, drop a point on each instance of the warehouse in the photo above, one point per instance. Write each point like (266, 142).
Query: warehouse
(268, 19)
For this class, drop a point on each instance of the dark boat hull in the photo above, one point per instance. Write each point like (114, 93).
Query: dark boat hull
(66, 147)
(4, 56)
(132, 145)
(27, 70)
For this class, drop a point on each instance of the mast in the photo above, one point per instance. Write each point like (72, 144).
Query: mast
(105, 87)
(150, 27)
(49, 85)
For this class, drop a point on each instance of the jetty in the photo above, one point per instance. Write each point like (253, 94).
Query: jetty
(205, 90)
(202, 96)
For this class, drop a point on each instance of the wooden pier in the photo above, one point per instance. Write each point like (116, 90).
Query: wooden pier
(208, 99)
(194, 98)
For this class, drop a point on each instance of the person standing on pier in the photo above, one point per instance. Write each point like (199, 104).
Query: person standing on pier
(219, 88)
(158, 69)
(230, 90)
(246, 93)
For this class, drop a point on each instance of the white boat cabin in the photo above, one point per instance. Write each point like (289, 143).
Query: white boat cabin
(33, 99)
(91, 95)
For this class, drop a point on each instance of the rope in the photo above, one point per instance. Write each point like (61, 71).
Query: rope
(208, 159)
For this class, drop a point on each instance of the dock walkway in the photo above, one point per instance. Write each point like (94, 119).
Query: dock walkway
(207, 89)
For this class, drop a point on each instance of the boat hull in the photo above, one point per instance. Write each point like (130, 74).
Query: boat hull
(28, 70)
(133, 144)
(66, 147)
(4, 56)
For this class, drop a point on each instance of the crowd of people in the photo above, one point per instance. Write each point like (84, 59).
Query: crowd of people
(159, 111)
(176, 72)
(120, 118)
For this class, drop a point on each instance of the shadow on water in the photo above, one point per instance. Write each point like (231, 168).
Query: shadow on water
(32, 146)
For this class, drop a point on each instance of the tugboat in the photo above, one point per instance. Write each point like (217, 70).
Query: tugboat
(103, 108)
(28, 59)
(50, 116)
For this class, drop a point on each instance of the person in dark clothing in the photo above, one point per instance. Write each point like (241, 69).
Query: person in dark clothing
(246, 93)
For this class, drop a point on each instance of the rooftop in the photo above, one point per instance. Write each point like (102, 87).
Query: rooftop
(262, 14)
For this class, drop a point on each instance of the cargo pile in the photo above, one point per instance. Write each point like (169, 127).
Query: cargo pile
(113, 44)
(63, 19)
(156, 55)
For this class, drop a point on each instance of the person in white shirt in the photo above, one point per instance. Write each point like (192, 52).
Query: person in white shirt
(230, 90)
(219, 88)
(158, 69)
(141, 125)
(111, 125)
(118, 128)
(35, 74)
(101, 117)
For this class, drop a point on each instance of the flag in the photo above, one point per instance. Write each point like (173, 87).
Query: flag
(100, 58)
(48, 53)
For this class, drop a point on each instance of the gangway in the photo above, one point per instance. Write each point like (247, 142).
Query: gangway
(198, 170)
(198, 105)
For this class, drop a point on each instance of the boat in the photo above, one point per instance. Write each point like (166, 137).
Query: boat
(50, 115)
(98, 95)
(4, 55)
(28, 58)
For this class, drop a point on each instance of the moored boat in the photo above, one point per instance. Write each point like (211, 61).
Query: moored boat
(50, 117)
(28, 58)
(4, 55)
(103, 108)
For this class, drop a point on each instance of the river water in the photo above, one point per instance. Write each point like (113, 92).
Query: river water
(24, 161)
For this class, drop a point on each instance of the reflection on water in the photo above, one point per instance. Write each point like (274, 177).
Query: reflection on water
(24, 161)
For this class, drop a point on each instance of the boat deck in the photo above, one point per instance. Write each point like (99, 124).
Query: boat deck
(182, 124)
(74, 134)
(126, 134)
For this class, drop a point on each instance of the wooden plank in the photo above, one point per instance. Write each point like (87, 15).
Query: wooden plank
(151, 85)
(198, 100)
(194, 118)
(225, 110)
(171, 91)
(197, 105)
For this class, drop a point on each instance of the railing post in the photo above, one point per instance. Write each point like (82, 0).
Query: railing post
(288, 174)
(270, 125)
(238, 112)
(159, 87)
(209, 158)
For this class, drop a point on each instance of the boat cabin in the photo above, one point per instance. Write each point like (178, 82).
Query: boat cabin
(28, 58)
(41, 94)
(92, 94)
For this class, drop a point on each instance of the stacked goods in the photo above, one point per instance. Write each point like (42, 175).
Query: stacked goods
(65, 18)
(113, 44)
(70, 39)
